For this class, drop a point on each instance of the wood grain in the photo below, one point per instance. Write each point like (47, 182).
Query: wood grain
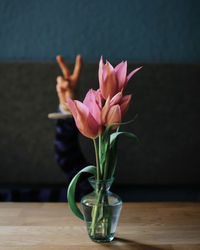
(153, 226)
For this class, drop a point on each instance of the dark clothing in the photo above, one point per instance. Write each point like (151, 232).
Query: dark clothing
(69, 157)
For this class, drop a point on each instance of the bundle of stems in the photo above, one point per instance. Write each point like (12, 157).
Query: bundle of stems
(106, 160)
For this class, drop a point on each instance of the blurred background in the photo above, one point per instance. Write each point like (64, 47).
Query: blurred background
(161, 35)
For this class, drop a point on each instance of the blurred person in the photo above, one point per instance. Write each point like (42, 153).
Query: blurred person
(67, 149)
(68, 153)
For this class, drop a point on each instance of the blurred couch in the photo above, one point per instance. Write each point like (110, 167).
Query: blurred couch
(166, 166)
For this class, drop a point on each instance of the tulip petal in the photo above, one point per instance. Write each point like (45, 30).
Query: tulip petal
(99, 98)
(94, 129)
(82, 114)
(124, 104)
(121, 71)
(72, 107)
(108, 64)
(104, 73)
(105, 110)
(101, 66)
(91, 101)
(131, 74)
(109, 87)
(114, 116)
(116, 99)
(93, 96)
(85, 122)
(118, 66)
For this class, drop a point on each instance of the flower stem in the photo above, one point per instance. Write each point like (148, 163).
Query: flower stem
(105, 174)
(97, 159)
(95, 211)
(101, 168)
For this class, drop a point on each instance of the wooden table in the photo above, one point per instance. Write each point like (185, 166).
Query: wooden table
(141, 226)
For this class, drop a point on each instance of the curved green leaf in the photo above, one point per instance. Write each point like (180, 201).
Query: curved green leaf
(72, 188)
(114, 136)
(121, 123)
(112, 157)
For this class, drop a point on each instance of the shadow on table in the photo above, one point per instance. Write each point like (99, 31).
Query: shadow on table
(120, 243)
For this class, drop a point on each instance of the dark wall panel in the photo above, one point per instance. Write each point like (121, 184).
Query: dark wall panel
(165, 97)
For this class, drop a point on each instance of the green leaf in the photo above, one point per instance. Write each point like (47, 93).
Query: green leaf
(112, 159)
(72, 188)
(114, 136)
(121, 123)
(104, 147)
(113, 150)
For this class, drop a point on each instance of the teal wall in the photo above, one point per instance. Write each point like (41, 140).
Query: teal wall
(137, 30)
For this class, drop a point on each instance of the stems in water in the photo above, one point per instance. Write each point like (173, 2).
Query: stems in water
(97, 159)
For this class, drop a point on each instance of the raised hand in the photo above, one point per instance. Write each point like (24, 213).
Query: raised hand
(68, 83)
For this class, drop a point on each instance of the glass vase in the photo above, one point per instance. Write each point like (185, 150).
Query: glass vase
(101, 210)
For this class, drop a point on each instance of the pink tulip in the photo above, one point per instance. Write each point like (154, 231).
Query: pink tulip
(87, 115)
(114, 116)
(124, 104)
(114, 109)
(113, 80)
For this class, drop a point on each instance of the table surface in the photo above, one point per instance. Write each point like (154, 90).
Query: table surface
(50, 226)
